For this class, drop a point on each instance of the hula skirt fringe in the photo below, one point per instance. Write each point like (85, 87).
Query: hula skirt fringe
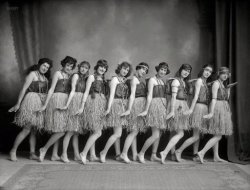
(157, 113)
(94, 112)
(28, 115)
(134, 122)
(75, 122)
(56, 120)
(118, 107)
(196, 120)
(221, 122)
(180, 121)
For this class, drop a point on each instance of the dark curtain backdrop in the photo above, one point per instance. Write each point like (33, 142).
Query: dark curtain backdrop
(25, 23)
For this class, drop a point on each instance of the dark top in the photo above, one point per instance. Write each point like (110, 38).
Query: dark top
(141, 90)
(159, 91)
(222, 93)
(203, 95)
(121, 91)
(63, 86)
(182, 91)
(81, 84)
(38, 87)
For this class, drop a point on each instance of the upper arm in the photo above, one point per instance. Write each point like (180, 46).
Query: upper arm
(174, 86)
(74, 81)
(54, 80)
(89, 82)
(151, 84)
(113, 83)
(198, 84)
(28, 81)
(133, 84)
(215, 88)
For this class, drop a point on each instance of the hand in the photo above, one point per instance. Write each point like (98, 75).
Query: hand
(208, 116)
(143, 114)
(42, 109)
(63, 108)
(14, 108)
(125, 113)
(188, 112)
(170, 115)
(79, 112)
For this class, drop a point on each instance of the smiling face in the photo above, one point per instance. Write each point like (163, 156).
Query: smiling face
(68, 68)
(124, 71)
(162, 71)
(142, 71)
(207, 72)
(83, 69)
(185, 73)
(44, 68)
(223, 76)
(101, 70)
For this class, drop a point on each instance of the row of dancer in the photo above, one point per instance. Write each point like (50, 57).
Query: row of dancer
(78, 104)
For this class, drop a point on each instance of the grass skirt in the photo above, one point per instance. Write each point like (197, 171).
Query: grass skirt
(180, 121)
(196, 120)
(118, 107)
(221, 122)
(56, 120)
(94, 112)
(75, 122)
(27, 115)
(134, 122)
(157, 113)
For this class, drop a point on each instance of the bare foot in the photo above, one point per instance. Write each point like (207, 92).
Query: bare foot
(125, 158)
(42, 154)
(218, 159)
(173, 157)
(33, 156)
(65, 159)
(163, 157)
(155, 158)
(83, 158)
(13, 156)
(94, 158)
(118, 157)
(135, 157)
(77, 158)
(102, 157)
(55, 158)
(178, 156)
(141, 158)
(200, 157)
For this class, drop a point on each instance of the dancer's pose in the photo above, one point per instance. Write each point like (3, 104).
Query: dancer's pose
(117, 104)
(56, 119)
(136, 105)
(75, 122)
(29, 101)
(220, 122)
(198, 108)
(177, 121)
(155, 109)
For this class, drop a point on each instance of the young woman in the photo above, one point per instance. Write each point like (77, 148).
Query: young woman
(220, 122)
(199, 108)
(29, 101)
(177, 121)
(56, 119)
(155, 110)
(136, 105)
(75, 122)
(117, 105)
(93, 105)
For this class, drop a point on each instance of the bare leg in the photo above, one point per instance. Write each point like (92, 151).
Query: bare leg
(89, 144)
(55, 156)
(76, 147)
(216, 153)
(173, 158)
(53, 139)
(154, 156)
(173, 141)
(155, 136)
(66, 139)
(32, 141)
(134, 149)
(117, 134)
(129, 140)
(187, 143)
(209, 145)
(118, 149)
(20, 137)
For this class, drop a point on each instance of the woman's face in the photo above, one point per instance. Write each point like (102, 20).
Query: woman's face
(207, 72)
(142, 71)
(223, 76)
(124, 71)
(44, 68)
(162, 71)
(83, 69)
(68, 68)
(101, 70)
(185, 73)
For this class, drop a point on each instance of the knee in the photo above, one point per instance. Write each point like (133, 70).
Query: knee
(219, 137)
(98, 134)
(196, 137)
(181, 133)
(156, 135)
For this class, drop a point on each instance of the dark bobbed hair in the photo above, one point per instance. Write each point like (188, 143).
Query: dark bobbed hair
(126, 65)
(184, 67)
(142, 65)
(162, 65)
(69, 60)
(37, 66)
(101, 63)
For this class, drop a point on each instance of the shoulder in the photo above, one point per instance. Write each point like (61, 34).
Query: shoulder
(216, 83)
(198, 81)
(134, 80)
(175, 82)
(32, 74)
